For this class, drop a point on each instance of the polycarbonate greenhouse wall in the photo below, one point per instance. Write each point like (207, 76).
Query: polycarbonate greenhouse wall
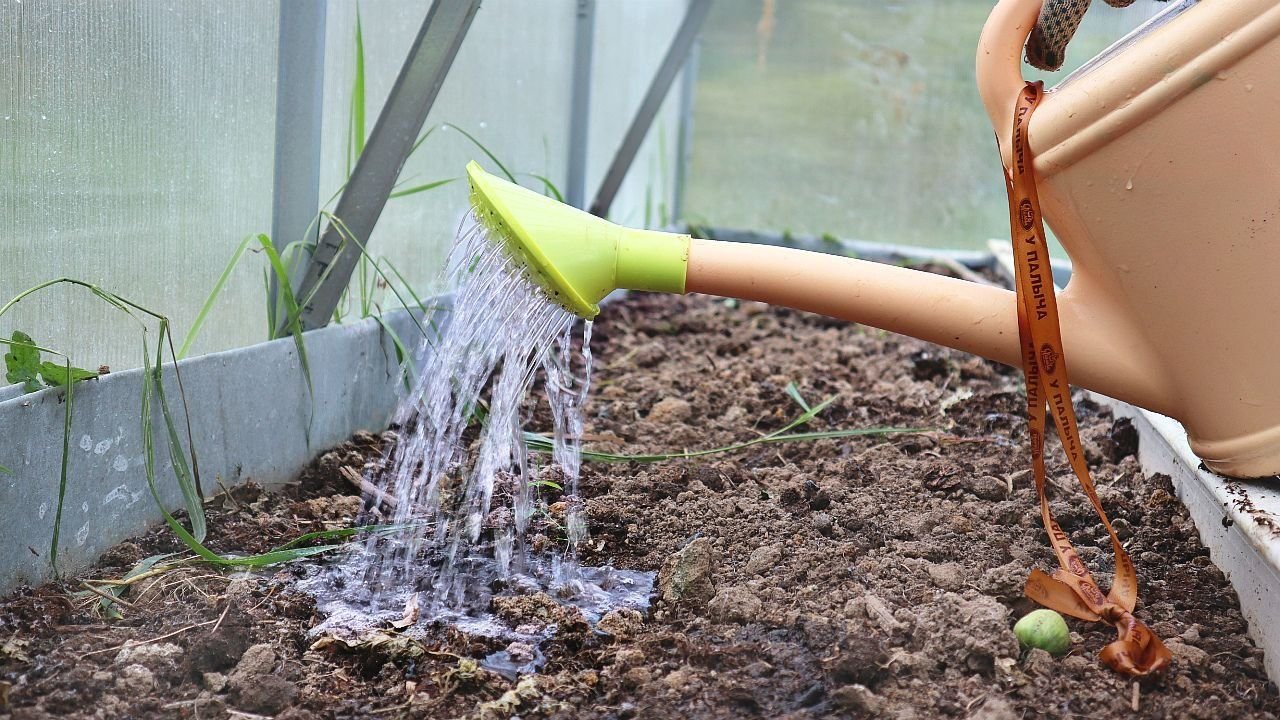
(139, 141)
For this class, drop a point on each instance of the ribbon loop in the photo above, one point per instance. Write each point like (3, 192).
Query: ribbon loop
(1071, 590)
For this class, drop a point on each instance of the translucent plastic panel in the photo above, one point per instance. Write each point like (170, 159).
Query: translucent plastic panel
(859, 119)
(509, 88)
(631, 39)
(136, 150)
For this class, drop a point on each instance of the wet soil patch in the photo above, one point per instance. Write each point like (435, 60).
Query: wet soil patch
(875, 576)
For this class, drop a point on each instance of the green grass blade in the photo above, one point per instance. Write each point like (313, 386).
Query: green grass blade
(356, 119)
(293, 324)
(548, 187)
(483, 149)
(188, 482)
(794, 393)
(62, 476)
(542, 444)
(409, 369)
(144, 565)
(344, 533)
(421, 188)
(212, 299)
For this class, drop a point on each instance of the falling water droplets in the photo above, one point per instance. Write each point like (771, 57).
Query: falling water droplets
(461, 477)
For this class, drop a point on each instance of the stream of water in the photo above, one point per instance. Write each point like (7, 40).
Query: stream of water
(461, 477)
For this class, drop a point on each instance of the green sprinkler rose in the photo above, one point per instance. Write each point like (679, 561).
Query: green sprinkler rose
(1044, 629)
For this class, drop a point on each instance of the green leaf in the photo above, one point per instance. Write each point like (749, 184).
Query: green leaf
(794, 393)
(56, 375)
(22, 362)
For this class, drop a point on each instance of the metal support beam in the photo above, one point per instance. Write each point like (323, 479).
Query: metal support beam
(676, 54)
(384, 155)
(299, 110)
(584, 40)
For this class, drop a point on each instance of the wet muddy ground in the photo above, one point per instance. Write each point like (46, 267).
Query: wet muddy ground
(875, 576)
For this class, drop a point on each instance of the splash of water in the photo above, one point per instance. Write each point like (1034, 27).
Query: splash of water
(460, 475)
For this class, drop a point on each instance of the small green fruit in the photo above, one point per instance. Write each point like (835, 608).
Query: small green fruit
(1044, 629)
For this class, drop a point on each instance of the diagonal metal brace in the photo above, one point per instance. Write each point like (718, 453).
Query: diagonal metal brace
(384, 156)
(675, 58)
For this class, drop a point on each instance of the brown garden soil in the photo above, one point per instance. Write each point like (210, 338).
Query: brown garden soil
(859, 577)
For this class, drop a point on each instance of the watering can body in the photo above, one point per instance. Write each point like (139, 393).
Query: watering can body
(1159, 171)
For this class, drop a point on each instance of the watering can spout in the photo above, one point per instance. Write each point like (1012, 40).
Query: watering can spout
(579, 258)
(968, 316)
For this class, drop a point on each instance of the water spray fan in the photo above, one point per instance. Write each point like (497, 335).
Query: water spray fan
(573, 255)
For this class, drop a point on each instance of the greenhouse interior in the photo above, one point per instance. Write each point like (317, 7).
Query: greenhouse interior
(639, 359)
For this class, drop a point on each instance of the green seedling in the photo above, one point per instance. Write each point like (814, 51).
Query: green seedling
(1044, 629)
(23, 366)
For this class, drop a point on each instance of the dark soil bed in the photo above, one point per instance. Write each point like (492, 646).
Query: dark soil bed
(860, 577)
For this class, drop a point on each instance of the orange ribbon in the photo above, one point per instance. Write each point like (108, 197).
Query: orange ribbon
(1071, 590)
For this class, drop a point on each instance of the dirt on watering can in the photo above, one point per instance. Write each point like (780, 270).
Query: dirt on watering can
(859, 577)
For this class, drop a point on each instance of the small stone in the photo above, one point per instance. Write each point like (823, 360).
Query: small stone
(822, 523)
(821, 500)
(102, 676)
(758, 669)
(1039, 662)
(1123, 529)
(636, 677)
(1187, 655)
(258, 660)
(214, 682)
(859, 659)
(678, 679)
(879, 613)
(152, 656)
(670, 410)
(995, 708)
(267, 695)
(520, 652)
(686, 577)
(858, 699)
(763, 559)
(621, 624)
(135, 680)
(1191, 635)
(1076, 664)
(986, 487)
(627, 658)
(735, 605)
(948, 576)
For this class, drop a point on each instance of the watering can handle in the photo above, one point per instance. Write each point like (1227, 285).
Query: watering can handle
(999, 63)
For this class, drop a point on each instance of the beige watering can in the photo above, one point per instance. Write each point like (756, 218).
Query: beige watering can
(1159, 171)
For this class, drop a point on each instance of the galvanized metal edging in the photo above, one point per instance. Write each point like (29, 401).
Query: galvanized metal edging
(249, 410)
